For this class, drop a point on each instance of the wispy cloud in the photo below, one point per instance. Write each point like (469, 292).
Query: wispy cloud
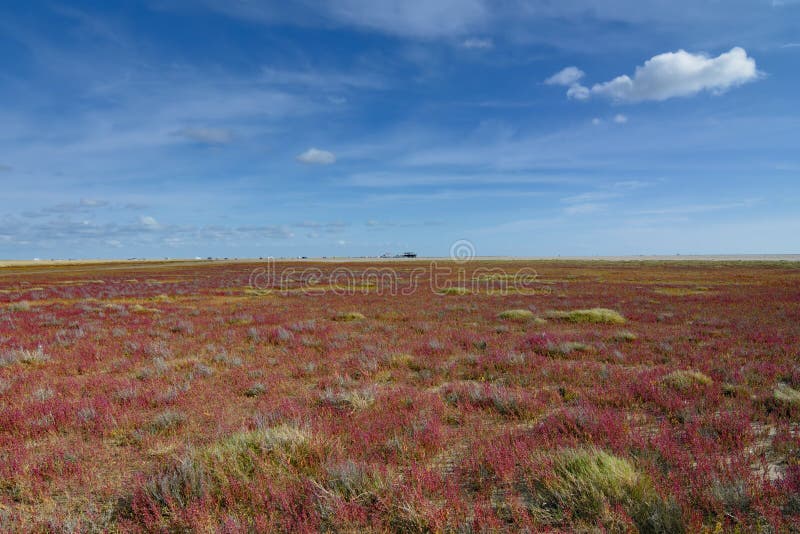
(315, 156)
(84, 205)
(336, 227)
(451, 195)
(696, 208)
(207, 136)
(585, 208)
(478, 43)
(590, 197)
(322, 79)
(407, 18)
(401, 179)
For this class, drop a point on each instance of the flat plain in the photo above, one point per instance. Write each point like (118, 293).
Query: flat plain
(400, 396)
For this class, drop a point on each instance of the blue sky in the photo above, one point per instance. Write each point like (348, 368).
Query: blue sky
(247, 128)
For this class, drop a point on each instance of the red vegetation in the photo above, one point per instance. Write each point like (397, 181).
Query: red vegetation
(177, 397)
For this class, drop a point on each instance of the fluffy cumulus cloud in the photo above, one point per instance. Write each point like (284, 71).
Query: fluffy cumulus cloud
(668, 75)
(315, 156)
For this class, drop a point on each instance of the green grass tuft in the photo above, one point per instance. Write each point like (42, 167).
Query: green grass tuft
(683, 380)
(588, 484)
(786, 394)
(234, 459)
(625, 335)
(517, 315)
(593, 315)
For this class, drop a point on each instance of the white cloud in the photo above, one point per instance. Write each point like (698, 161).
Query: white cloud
(328, 80)
(93, 203)
(482, 44)
(578, 92)
(590, 197)
(567, 76)
(676, 74)
(149, 222)
(208, 136)
(596, 121)
(697, 208)
(619, 118)
(412, 18)
(584, 208)
(315, 156)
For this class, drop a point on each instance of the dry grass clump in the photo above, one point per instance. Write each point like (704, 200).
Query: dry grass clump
(786, 394)
(588, 484)
(355, 400)
(565, 348)
(354, 481)
(683, 380)
(625, 335)
(592, 315)
(682, 291)
(397, 361)
(138, 308)
(497, 398)
(256, 390)
(166, 421)
(517, 315)
(349, 316)
(24, 356)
